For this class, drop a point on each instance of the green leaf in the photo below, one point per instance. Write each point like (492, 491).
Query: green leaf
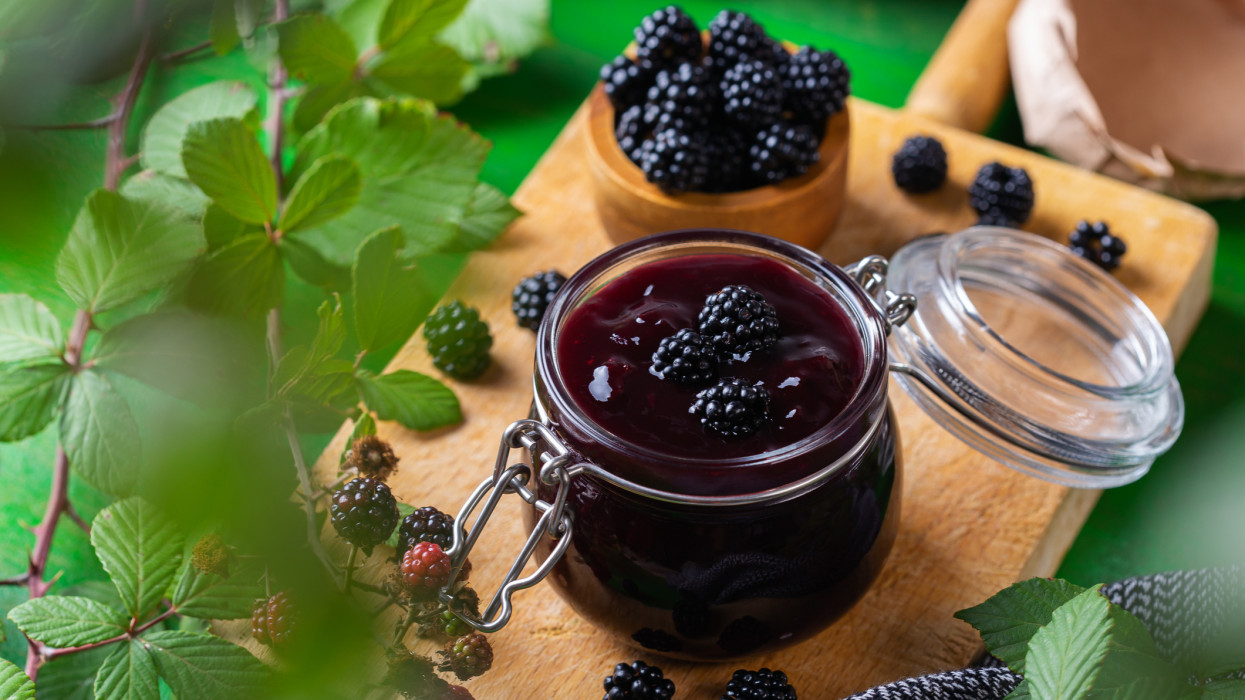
(225, 160)
(419, 169)
(249, 14)
(1091, 648)
(395, 537)
(72, 677)
(429, 70)
(326, 191)
(140, 549)
(14, 684)
(29, 397)
(412, 20)
(1012, 616)
(128, 673)
(319, 99)
(204, 666)
(162, 139)
(487, 214)
(28, 330)
(119, 250)
(245, 277)
(100, 435)
(309, 264)
(315, 48)
(1227, 689)
(313, 374)
(65, 621)
(220, 228)
(213, 597)
(414, 400)
(493, 34)
(223, 29)
(166, 190)
(363, 427)
(390, 299)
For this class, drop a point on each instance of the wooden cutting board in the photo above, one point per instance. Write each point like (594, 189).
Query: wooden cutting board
(969, 526)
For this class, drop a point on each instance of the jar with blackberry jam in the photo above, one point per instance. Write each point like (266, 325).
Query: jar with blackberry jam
(710, 533)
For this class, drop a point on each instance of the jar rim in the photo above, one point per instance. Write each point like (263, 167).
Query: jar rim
(850, 296)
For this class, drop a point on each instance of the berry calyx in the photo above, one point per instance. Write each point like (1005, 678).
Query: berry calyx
(815, 84)
(684, 357)
(458, 341)
(274, 620)
(468, 656)
(737, 320)
(364, 512)
(1097, 244)
(426, 524)
(920, 165)
(732, 408)
(425, 568)
(638, 681)
(532, 295)
(372, 457)
(763, 684)
(667, 36)
(210, 555)
(1001, 196)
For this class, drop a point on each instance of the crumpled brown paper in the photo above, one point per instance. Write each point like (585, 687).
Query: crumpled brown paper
(1148, 91)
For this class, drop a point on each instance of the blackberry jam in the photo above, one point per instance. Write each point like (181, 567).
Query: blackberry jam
(691, 544)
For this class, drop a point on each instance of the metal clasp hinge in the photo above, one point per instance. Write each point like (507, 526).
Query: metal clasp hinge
(870, 274)
(554, 522)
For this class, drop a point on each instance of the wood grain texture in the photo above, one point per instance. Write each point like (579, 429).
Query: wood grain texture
(969, 527)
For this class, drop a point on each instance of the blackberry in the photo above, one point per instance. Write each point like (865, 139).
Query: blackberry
(274, 620)
(726, 151)
(684, 357)
(467, 657)
(638, 681)
(732, 408)
(682, 96)
(920, 165)
(364, 512)
(1097, 244)
(426, 524)
(675, 161)
(1001, 194)
(372, 456)
(666, 37)
(759, 685)
(780, 151)
(458, 340)
(752, 93)
(425, 568)
(626, 82)
(532, 296)
(630, 130)
(210, 555)
(735, 37)
(737, 320)
(815, 84)
(413, 676)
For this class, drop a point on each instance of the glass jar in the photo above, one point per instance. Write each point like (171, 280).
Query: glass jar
(789, 539)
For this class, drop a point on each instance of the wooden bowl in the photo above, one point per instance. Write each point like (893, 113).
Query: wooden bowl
(802, 210)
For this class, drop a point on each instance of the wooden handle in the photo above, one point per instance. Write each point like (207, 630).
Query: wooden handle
(965, 81)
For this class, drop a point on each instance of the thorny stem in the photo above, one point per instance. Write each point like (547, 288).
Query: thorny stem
(50, 654)
(116, 161)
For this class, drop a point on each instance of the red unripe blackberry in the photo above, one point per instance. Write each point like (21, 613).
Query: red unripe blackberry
(458, 340)
(732, 408)
(273, 620)
(364, 512)
(468, 656)
(425, 568)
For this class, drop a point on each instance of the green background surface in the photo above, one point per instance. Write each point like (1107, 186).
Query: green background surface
(1185, 513)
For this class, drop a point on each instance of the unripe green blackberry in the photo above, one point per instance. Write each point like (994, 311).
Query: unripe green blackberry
(458, 340)
(468, 656)
(364, 512)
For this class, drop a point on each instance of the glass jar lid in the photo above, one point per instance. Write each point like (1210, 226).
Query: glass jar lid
(1034, 356)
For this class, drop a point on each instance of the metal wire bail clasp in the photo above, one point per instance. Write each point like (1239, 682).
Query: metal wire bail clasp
(870, 274)
(554, 521)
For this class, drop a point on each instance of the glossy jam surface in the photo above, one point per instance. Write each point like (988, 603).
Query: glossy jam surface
(605, 353)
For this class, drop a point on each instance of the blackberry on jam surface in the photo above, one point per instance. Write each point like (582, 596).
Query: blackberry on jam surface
(815, 84)
(273, 620)
(458, 340)
(638, 681)
(468, 656)
(426, 524)
(364, 512)
(734, 37)
(752, 93)
(626, 82)
(666, 37)
(684, 357)
(1097, 244)
(763, 684)
(684, 94)
(674, 160)
(737, 320)
(732, 408)
(920, 165)
(781, 151)
(1000, 193)
(532, 295)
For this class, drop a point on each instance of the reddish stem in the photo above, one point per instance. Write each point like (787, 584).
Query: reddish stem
(116, 161)
(49, 654)
(189, 51)
(276, 106)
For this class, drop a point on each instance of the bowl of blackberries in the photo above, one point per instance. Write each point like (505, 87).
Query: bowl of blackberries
(727, 128)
